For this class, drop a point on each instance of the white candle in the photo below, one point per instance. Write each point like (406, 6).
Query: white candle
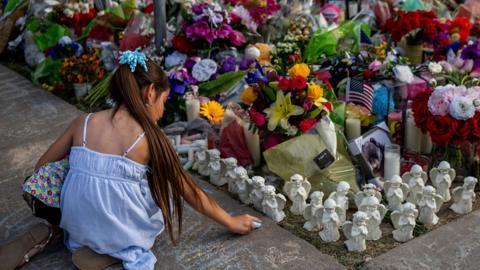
(426, 148)
(191, 155)
(178, 140)
(253, 144)
(412, 134)
(192, 105)
(391, 161)
(353, 128)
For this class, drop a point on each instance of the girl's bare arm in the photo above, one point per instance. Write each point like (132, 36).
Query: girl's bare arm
(241, 224)
(61, 147)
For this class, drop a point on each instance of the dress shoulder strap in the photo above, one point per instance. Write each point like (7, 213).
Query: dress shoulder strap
(85, 123)
(139, 137)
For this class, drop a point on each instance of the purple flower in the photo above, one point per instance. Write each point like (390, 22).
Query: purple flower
(178, 87)
(229, 64)
(255, 77)
(191, 62)
(198, 8)
(223, 31)
(472, 52)
(245, 64)
(199, 29)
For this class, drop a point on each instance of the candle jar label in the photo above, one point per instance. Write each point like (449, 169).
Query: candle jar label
(324, 159)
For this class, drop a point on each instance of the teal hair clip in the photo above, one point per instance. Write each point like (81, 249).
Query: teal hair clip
(133, 58)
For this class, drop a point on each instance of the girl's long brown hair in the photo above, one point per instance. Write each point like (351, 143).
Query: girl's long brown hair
(166, 178)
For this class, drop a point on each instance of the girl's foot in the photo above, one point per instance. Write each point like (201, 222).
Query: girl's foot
(87, 259)
(21, 250)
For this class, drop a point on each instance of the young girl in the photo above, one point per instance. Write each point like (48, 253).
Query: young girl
(125, 184)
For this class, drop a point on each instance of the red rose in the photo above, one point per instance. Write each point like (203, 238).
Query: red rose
(284, 83)
(148, 9)
(420, 109)
(441, 128)
(299, 82)
(293, 57)
(475, 124)
(462, 133)
(306, 124)
(367, 74)
(182, 44)
(257, 118)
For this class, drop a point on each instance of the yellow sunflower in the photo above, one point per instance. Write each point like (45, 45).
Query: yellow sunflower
(213, 111)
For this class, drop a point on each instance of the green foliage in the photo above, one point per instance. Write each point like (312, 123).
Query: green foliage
(51, 36)
(98, 93)
(222, 83)
(49, 69)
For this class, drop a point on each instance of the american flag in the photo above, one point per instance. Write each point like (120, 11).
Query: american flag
(359, 93)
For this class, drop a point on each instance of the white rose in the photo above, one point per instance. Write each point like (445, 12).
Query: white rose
(252, 53)
(403, 73)
(435, 68)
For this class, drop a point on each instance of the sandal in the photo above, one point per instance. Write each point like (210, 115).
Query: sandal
(87, 259)
(20, 251)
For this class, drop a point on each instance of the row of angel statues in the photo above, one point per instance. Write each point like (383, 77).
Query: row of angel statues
(408, 197)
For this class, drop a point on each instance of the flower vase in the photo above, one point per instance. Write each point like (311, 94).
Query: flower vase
(414, 53)
(456, 156)
(81, 89)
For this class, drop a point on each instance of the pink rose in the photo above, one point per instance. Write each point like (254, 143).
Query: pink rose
(257, 118)
(375, 66)
(236, 38)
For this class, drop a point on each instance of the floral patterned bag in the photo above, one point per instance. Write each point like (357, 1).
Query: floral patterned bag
(46, 183)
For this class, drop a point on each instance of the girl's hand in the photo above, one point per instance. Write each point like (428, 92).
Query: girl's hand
(243, 224)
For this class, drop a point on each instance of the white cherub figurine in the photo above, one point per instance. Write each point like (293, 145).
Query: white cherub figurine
(404, 222)
(464, 196)
(297, 190)
(429, 203)
(340, 197)
(442, 178)
(201, 161)
(312, 224)
(415, 179)
(356, 232)
(242, 184)
(228, 167)
(369, 190)
(273, 204)
(375, 212)
(328, 218)
(256, 195)
(215, 166)
(396, 192)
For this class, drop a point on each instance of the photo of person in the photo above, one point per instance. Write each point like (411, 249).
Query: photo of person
(373, 145)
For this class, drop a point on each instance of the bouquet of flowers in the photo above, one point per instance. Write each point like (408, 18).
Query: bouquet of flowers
(417, 26)
(205, 26)
(83, 69)
(282, 107)
(449, 113)
(65, 48)
(252, 14)
(78, 15)
(453, 36)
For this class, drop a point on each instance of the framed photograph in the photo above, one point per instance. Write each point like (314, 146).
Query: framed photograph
(369, 148)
